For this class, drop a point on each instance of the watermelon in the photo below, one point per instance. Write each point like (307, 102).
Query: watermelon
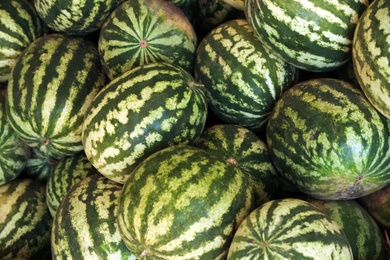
(39, 166)
(245, 150)
(25, 221)
(238, 4)
(140, 32)
(251, 78)
(66, 174)
(328, 140)
(14, 153)
(371, 55)
(75, 18)
(363, 233)
(19, 26)
(85, 226)
(144, 110)
(183, 203)
(289, 229)
(49, 90)
(311, 35)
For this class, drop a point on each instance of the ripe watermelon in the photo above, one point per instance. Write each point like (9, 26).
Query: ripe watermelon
(39, 166)
(328, 140)
(49, 90)
(311, 35)
(289, 229)
(183, 203)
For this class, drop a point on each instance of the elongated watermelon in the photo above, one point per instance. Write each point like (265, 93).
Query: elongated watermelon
(250, 78)
(245, 150)
(25, 221)
(19, 26)
(289, 229)
(85, 226)
(49, 90)
(146, 109)
(328, 140)
(139, 32)
(183, 203)
(75, 17)
(312, 35)
(371, 55)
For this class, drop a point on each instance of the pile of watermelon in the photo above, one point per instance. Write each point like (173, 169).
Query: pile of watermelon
(195, 129)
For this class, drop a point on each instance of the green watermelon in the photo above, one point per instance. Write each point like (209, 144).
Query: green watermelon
(66, 174)
(250, 80)
(289, 229)
(328, 140)
(14, 153)
(140, 32)
(49, 91)
(25, 221)
(363, 233)
(245, 150)
(19, 26)
(311, 35)
(75, 17)
(39, 166)
(144, 110)
(371, 55)
(85, 226)
(183, 203)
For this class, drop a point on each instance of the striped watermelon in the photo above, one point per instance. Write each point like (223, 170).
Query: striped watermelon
(311, 35)
(238, 4)
(289, 229)
(79, 17)
(39, 166)
(251, 78)
(19, 26)
(328, 140)
(146, 109)
(363, 233)
(371, 55)
(183, 203)
(25, 221)
(85, 226)
(13, 152)
(246, 151)
(49, 90)
(145, 31)
(66, 174)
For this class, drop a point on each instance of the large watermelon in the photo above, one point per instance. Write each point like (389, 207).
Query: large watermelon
(249, 79)
(312, 35)
(183, 203)
(19, 26)
(49, 90)
(289, 229)
(371, 55)
(328, 140)
(147, 108)
(144, 31)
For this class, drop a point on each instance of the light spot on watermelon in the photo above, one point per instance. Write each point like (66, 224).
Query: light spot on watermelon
(143, 43)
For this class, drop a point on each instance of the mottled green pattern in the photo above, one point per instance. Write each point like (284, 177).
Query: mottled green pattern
(327, 139)
(363, 233)
(85, 226)
(183, 203)
(13, 152)
(148, 108)
(25, 221)
(311, 35)
(66, 174)
(289, 229)
(246, 151)
(145, 31)
(242, 78)
(19, 26)
(75, 17)
(39, 166)
(49, 90)
(371, 55)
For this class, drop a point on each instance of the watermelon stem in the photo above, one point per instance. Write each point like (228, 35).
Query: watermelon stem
(143, 253)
